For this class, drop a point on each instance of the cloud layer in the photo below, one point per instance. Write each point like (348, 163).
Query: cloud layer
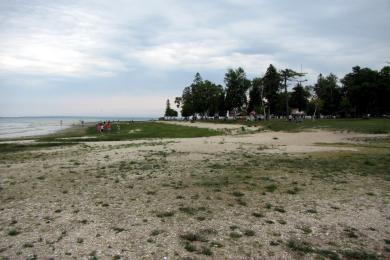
(91, 49)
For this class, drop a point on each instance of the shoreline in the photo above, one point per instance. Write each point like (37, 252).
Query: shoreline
(51, 124)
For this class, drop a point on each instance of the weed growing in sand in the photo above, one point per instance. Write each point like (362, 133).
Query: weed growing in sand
(205, 251)
(312, 211)
(13, 232)
(271, 188)
(258, 214)
(237, 194)
(280, 209)
(26, 245)
(293, 191)
(118, 229)
(241, 202)
(306, 230)
(192, 237)
(165, 214)
(351, 232)
(191, 210)
(350, 254)
(235, 235)
(190, 247)
(156, 232)
(201, 218)
(300, 246)
(249, 232)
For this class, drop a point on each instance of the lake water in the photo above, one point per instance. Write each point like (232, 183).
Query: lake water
(12, 127)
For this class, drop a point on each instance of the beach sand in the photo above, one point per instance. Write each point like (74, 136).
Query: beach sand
(144, 199)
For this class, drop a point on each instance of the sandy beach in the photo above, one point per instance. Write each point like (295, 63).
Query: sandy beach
(243, 195)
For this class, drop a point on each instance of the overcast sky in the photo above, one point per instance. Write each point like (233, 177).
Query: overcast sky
(125, 58)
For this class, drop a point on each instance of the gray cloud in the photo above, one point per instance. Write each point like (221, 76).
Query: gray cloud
(82, 41)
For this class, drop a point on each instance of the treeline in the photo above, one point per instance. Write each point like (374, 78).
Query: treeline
(360, 92)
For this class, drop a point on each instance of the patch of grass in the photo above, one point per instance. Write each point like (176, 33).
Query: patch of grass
(18, 147)
(241, 202)
(306, 230)
(237, 194)
(300, 246)
(280, 209)
(13, 232)
(258, 214)
(351, 232)
(372, 126)
(205, 251)
(191, 237)
(293, 191)
(118, 229)
(25, 245)
(313, 211)
(328, 254)
(208, 231)
(132, 131)
(165, 214)
(191, 210)
(190, 247)
(249, 232)
(201, 218)
(235, 235)
(234, 227)
(363, 255)
(156, 232)
(216, 244)
(271, 188)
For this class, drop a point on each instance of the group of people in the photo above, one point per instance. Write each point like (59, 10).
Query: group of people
(103, 126)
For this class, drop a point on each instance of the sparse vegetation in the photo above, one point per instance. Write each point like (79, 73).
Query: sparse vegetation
(13, 232)
(165, 214)
(227, 202)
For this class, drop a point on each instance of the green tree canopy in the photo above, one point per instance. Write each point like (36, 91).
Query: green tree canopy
(169, 112)
(237, 85)
(299, 98)
(255, 96)
(368, 90)
(271, 83)
(330, 93)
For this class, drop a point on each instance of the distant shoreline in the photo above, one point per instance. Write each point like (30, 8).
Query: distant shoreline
(29, 127)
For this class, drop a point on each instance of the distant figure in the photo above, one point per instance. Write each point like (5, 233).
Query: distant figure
(60, 122)
(82, 123)
(108, 126)
(100, 127)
